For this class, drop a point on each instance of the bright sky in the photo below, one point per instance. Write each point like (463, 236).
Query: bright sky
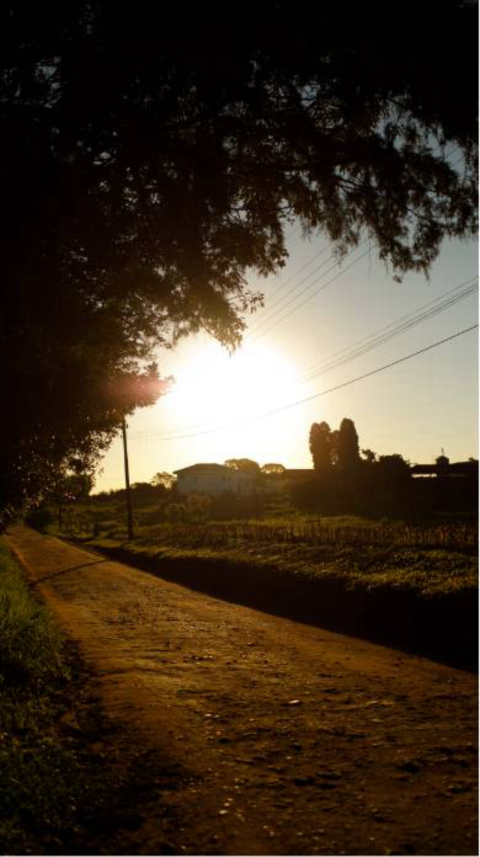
(317, 312)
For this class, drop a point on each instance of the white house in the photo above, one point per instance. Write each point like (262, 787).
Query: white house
(215, 479)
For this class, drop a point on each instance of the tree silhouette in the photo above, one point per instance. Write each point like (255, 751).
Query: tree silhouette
(392, 472)
(273, 469)
(166, 480)
(347, 445)
(244, 465)
(320, 442)
(149, 159)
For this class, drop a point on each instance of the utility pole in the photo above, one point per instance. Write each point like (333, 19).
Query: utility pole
(128, 495)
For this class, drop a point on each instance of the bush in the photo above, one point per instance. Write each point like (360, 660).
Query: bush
(151, 516)
(198, 506)
(231, 506)
(175, 512)
(40, 518)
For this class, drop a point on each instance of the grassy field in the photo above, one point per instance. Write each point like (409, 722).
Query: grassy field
(430, 558)
(57, 794)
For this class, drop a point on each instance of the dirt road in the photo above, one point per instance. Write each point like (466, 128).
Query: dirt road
(266, 736)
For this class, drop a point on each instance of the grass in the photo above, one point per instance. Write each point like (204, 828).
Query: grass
(431, 559)
(56, 793)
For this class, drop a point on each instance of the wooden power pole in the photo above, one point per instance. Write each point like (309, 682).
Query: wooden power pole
(127, 482)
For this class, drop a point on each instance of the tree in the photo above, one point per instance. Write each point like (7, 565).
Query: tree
(68, 488)
(244, 465)
(273, 469)
(53, 430)
(320, 443)
(347, 446)
(147, 164)
(393, 472)
(369, 456)
(166, 480)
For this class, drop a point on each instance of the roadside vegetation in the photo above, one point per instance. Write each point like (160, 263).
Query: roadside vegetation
(401, 578)
(429, 557)
(57, 795)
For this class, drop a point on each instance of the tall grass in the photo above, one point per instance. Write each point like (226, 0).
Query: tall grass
(52, 787)
(315, 532)
(29, 640)
(274, 532)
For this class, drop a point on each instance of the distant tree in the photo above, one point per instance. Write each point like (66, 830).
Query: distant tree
(166, 480)
(244, 465)
(369, 456)
(273, 469)
(68, 488)
(144, 493)
(320, 443)
(347, 446)
(393, 471)
(45, 438)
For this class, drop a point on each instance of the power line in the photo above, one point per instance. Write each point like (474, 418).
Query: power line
(369, 343)
(258, 335)
(264, 316)
(323, 392)
(372, 341)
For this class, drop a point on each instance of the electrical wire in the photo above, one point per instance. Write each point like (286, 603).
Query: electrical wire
(374, 340)
(259, 335)
(303, 401)
(264, 316)
(367, 344)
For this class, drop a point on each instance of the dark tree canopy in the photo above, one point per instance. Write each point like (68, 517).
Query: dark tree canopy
(347, 445)
(148, 160)
(320, 443)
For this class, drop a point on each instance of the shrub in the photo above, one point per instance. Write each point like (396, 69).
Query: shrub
(175, 512)
(198, 506)
(40, 517)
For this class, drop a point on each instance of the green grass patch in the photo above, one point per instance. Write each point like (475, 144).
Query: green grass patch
(57, 795)
(362, 553)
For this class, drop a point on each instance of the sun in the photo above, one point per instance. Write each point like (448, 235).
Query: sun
(215, 388)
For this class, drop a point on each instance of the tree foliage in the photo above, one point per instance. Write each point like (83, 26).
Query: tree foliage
(347, 445)
(166, 480)
(320, 443)
(272, 469)
(148, 160)
(244, 465)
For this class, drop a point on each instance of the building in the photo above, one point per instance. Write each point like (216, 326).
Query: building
(215, 479)
(444, 469)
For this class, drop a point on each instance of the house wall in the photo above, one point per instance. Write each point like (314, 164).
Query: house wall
(215, 483)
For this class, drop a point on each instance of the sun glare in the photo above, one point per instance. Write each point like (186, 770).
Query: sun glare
(215, 388)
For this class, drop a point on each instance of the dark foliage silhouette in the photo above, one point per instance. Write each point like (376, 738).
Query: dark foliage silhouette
(321, 444)
(347, 446)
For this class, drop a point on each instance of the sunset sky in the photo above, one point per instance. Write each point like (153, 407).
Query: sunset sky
(316, 313)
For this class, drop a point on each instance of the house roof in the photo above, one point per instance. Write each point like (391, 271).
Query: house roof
(462, 468)
(198, 469)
